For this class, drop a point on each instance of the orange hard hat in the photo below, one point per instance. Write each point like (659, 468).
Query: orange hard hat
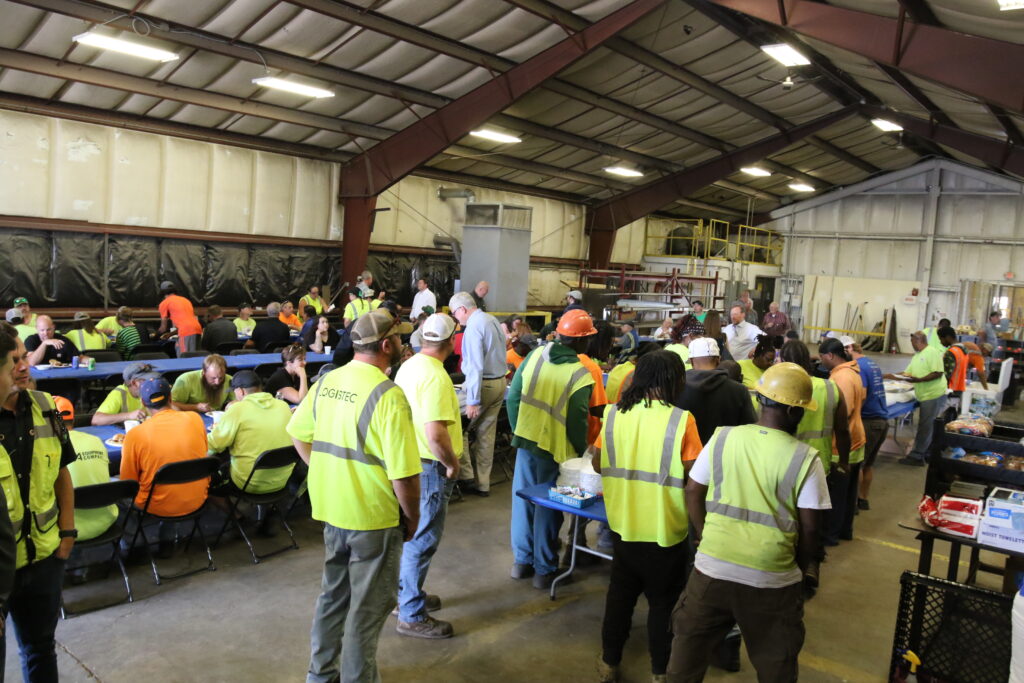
(576, 323)
(64, 406)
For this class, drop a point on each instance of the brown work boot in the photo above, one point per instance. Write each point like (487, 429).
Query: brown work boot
(606, 673)
(429, 628)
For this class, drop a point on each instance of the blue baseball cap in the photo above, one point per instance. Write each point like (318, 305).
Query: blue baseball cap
(155, 393)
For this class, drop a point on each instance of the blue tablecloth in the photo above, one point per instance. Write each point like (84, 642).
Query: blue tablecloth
(108, 431)
(538, 495)
(897, 410)
(168, 365)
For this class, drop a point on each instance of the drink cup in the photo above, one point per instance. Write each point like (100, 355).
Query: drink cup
(129, 425)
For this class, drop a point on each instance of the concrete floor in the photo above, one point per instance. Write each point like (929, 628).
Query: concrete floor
(248, 622)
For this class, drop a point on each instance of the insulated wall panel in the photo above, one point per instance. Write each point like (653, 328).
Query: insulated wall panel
(186, 184)
(25, 164)
(232, 186)
(183, 262)
(134, 267)
(227, 274)
(135, 178)
(80, 174)
(25, 264)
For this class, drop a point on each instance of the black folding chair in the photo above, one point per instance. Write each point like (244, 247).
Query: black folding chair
(268, 460)
(100, 496)
(225, 348)
(150, 355)
(265, 370)
(105, 356)
(274, 347)
(243, 352)
(183, 472)
(194, 354)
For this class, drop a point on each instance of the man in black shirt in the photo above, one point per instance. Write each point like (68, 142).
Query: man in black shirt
(219, 330)
(270, 330)
(43, 543)
(47, 344)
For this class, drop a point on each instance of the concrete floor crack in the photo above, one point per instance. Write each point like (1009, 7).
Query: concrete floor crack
(78, 661)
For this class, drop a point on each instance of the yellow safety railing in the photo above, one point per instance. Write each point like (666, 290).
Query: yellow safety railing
(717, 240)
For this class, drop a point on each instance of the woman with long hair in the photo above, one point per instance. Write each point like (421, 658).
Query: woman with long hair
(646, 445)
(713, 330)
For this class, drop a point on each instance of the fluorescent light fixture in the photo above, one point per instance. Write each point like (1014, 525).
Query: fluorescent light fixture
(292, 87)
(495, 136)
(785, 55)
(623, 171)
(1005, 5)
(756, 171)
(886, 125)
(801, 187)
(126, 47)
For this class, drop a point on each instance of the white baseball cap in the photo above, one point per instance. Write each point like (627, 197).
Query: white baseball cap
(438, 327)
(847, 341)
(704, 347)
(575, 294)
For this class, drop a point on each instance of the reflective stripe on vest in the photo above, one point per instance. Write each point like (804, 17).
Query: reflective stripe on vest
(782, 519)
(668, 451)
(555, 411)
(358, 453)
(831, 399)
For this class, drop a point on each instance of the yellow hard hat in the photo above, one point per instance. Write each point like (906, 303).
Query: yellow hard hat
(789, 384)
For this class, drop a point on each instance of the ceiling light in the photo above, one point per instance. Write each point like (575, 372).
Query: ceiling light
(886, 125)
(495, 136)
(623, 171)
(292, 87)
(785, 55)
(127, 47)
(756, 171)
(1011, 4)
(801, 187)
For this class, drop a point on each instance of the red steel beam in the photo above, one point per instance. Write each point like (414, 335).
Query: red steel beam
(601, 245)
(388, 162)
(982, 67)
(998, 153)
(627, 207)
(355, 235)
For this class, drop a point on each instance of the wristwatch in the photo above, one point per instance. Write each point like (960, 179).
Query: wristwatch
(68, 533)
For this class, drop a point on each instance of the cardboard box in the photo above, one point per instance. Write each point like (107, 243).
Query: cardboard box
(1002, 525)
(960, 516)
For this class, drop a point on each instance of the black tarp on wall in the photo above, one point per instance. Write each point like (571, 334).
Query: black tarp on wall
(67, 270)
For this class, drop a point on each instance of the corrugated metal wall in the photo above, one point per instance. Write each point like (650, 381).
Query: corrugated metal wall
(881, 230)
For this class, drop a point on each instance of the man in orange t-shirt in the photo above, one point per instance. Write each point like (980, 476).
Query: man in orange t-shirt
(514, 356)
(167, 436)
(288, 317)
(177, 311)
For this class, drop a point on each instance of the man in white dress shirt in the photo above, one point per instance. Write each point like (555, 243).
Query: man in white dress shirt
(741, 336)
(424, 297)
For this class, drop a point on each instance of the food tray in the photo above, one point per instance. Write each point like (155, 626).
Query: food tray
(572, 501)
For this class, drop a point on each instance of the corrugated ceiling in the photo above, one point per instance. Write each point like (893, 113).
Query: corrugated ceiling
(632, 97)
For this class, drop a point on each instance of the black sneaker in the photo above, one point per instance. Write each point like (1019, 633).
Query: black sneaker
(543, 581)
(913, 462)
(863, 504)
(521, 571)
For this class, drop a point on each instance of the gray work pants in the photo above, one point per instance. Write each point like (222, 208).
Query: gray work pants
(358, 592)
(492, 395)
(925, 426)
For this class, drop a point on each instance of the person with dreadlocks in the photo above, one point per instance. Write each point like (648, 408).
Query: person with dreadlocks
(646, 444)
(762, 359)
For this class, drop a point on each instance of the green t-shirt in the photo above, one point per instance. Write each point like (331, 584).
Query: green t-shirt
(188, 388)
(119, 400)
(109, 326)
(925, 362)
(87, 341)
(245, 326)
(700, 316)
(92, 466)
(432, 398)
(248, 428)
(25, 331)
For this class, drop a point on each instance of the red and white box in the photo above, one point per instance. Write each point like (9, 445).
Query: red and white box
(960, 516)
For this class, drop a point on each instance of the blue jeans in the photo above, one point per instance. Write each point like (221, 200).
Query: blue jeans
(534, 529)
(358, 592)
(34, 607)
(435, 490)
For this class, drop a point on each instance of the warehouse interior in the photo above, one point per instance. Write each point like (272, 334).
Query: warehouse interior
(858, 164)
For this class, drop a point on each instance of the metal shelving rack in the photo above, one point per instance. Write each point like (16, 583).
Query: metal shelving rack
(671, 285)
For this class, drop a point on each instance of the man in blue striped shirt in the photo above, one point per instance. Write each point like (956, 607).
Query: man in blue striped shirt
(483, 363)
